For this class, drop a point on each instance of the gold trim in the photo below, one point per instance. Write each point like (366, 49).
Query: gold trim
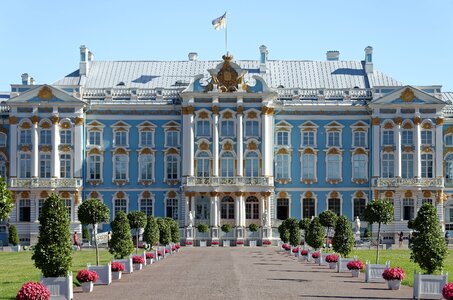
(44, 194)
(187, 110)
(308, 151)
(45, 93)
(267, 110)
(283, 194)
(24, 195)
(359, 194)
(95, 151)
(215, 110)
(407, 95)
(283, 151)
(171, 194)
(333, 194)
(417, 120)
(214, 194)
(252, 146)
(408, 194)
(46, 148)
(427, 125)
(25, 125)
(227, 115)
(25, 148)
(145, 151)
(146, 194)
(45, 125)
(251, 115)
(240, 109)
(332, 151)
(227, 146)
(12, 120)
(359, 151)
(65, 195)
(203, 146)
(398, 120)
(239, 193)
(94, 195)
(35, 119)
(65, 125)
(55, 119)
(203, 115)
(120, 151)
(407, 125)
(440, 121)
(427, 194)
(120, 194)
(388, 194)
(407, 149)
(388, 149)
(78, 121)
(308, 194)
(388, 125)
(171, 151)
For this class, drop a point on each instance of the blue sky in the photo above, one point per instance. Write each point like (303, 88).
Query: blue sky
(412, 40)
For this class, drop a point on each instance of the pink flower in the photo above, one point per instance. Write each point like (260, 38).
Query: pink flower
(166, 250)
(315, 254)
(304, 252)
(332, 258)
(447, 291)
(137, 259)
(393, 273)
(159, 253)
(149, 255)
(189, 243)
(87, 276)
(295, 250)
(178, 246)
(33, 291)
(173, 248)
(355, 265)
(117, 267)
(239, 242)
(214, 242)
(267, 242)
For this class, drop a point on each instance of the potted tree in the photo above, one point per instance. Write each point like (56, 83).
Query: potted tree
(226, 228)
(86, 236)
(164, 234)
(175, 237)
(284, 234)
(343, 241)
(92, 212)
(53, 252)
(303, 225)
(327, 219)
(315, 234)
(253, 228)
(294, 232)
(202, 228)
(137, 220)
(151, 236)
(121, 245)
(13, 238)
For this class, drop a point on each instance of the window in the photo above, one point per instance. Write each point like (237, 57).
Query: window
(333, 167)
(24, 210)
(172, 208)
(25, 136)
(66, 137)
(146, 167)
(40, 203)
(94, 138)
(146, 138)
(282, 166)
(65, 166)
(282, 138)
(203, 128)
(203, 164)
(94, 167)
(449, 140)
(388, 137)
(282, 208)
(227, 208)
(427, 165)
(427, 200)
(120, 205)
(120, 138)
(359, 139)
(333, 139)
(146, 206)
(407, 165)
(172, 138)
(407, 137)
(227, 128)
(3, 167)
(334, 204)
(68, 204)
(359, 207)
(172, 167)
(359, 162)
(44, 165)
(449, 168)
(408, 209)
(2, 139)
(202, 208)
(121, 167)
(308, 139)
(252, 208)
(227, 164)
(388, 165)
(308, 207)
(45, 137)
(252, 128)
(251, 165)
(308, 166)
(25, 165)
(427, 137)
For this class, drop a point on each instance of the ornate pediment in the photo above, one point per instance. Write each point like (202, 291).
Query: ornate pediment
(227, 78)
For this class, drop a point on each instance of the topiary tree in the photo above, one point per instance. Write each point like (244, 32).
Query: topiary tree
(380, 212)
(226, 228)
(13, 237)
(284, 232)
(428, 248)
(367, 233)
(315, 234)
(92, 212)
(202, 227)
(164, 231)
(53, 252)
(294, 231)
(253, 227)
(303, 225)
(151, 233)
(174, 228)
(121, 244)
(327, 219)
(343, 239)
(137, 220)
(6, 200)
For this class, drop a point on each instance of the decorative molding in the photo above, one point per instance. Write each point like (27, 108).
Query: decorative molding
(94, 195)
(388, 125)
(46, 148)
(12, 120)
(227, 79)
(308, 151)
(214, 194)
(55, 119)
(146, 194)
(334, 194)
(65, 195)
(417, 120)
(359, 151)
(333, 151)
(408, 194)
(239, 193)
(376, 194)
(25, 148)
(45, 93)
(407, 125)
(45, 125)
(227, 146)
(251, 115)
(398, 120)
(388, 149)
(283, 194)
(388, 194)
(95, 151)
(78, 121)
(65, 125)
(407, 149)
(427, 194)
(360, 194)
(215, 110)
(35, 119)
(282, 151)
(265, 194)
(227, 115)
(448, 130)
(252, 146)
(187, 110)
(25, 195)
(145, 151)
(44, 194)
(203, 146)
(120, 151)
(171, 194)
(203, 115)
(308, 194)
(427, 125)
(266, 110)
(240, 109)
(120, 194)
(407, 95)
(375, 121)
(25, 125)
(440, 121)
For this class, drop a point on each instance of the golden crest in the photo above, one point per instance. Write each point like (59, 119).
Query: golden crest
(334, 194)
(120, 195)
(227, 115)
(146, 194)
(45, 93)
(439, 121)
(408, 194)
(65, 195)
(204, 146)
(12, 120)
(227, 146)
(24, 195)
(227, 79)
(375, 121)
(308, 194)
(78, 121)
(44, 194)
(35, 119)
(360, 194)
(252, 146)
(407, 95)
(94, 195)
(388, 194)
(172, 194)
(427, 194)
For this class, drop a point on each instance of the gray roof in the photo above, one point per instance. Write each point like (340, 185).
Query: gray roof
(279, 73)
(447, 97)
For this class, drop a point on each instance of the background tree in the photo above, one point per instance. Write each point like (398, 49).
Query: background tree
(294, 231)
(13, 237)
(151, 233)
(53, 252)
(315, 234)
(92, 212)
(343, 239)
(6, 200)
(428, 247)
(174, 228)
(304, 224)
(284, 232)
(121, 244)
(327, 219)
(380, 212)
(137, 220)
(164, 231)
(86, 235)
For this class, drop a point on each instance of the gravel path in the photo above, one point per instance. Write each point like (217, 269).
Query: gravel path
(240, 273)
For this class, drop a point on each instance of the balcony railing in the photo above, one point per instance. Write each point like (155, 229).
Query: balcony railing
(398, 182)
(45, 182)
(238, 181)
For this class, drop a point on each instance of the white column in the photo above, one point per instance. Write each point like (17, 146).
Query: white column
(13, 147)
(35, 148)
(237, 210)
(187, 210)
(215, 142)
(240, 143)
(188, 141)
(55, 167)
(78, 144)
(242, 210)
(439, 148)
(398, 148)
(262, 200)
(376, 152)
(267, 139)
(417, 144)
(269, 216)
(214, 209)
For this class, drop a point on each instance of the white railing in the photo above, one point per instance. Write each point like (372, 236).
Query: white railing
(397, 182)
(326, 94)
(118, 94)
(45, 182)
(238, 181)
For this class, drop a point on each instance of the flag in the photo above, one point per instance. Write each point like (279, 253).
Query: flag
(219, 22)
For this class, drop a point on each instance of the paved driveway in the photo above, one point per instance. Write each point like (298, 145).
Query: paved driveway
(240, 273)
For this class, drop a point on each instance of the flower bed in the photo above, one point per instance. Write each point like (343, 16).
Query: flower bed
(137, 259)
(159, 252)
(87, 276)
(393, 273)
(33, 290)
(286, 247)
(117, 266)
(304, 252)
(315, 255)
(215, 243)
(149, 255)
(296, 250)
(355, 265)
(189, 243)
(178, 246)
(267, 242)
(239, 242)
(166, 250)
(173, 248)
(447, 291)
(332, 258)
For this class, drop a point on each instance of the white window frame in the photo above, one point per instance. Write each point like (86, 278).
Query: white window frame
(386, 132)
(101, 167)
(354, 175)
(126, 197)
(70, 164)
(315, 162)
(390, 169)
(49, 132)
(433, 171)
(3, 139)
(340, 196)
(308, 127)
(447, 138)
(19, 164)
(66, 130)
(258, 157)
(153, 162)
(121, 127)
(365, 138)
(95, 126)
(153, 201)
(354, 196)
(256, 119)
(127, 167)
(402, 165)
(287, 167)
(232, 158)
(171, 127)
(340, 175)
(178, 168)
(302, 197)
(177, 207)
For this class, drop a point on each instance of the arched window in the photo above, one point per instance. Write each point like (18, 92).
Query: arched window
(45, 162)
(407, 137)
(333, 167)
(119, 204)
(282, 208)
(252, 165)
(427, 137)
(172, 208)
(449, 140)
(203, 128)
(449, 168)
(388, 137)
(227, 208)
(252, 208)
(3, 167)
(2, 139)
(25, 165)
(203, 164)
(252, 128)
(172, 167)
(359, 162)
(227, 128)
(282, 138)
(146, 167)
(334, 204)
(94, 167)
(408, 209)
(359, 207)
(427, 165)
(121, 167)
(227, 164)
(146, 206)
(308, 207)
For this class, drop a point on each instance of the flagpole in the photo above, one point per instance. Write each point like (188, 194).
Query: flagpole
(226, 35)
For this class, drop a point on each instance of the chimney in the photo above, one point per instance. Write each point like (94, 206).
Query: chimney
(32, 81)
(369, 59)
(90, 56)
(333, 55)
(193, 56)
(26, 79)
(263, 58)
(84, 60)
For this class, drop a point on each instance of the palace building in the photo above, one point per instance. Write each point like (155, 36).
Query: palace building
(228, 141)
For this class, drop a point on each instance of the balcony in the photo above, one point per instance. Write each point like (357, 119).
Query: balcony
(223, 181)
(410, 182)
(45, 183)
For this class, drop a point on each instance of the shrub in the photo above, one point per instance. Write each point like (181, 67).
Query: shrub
(174, 228)
(121, 244)
(447, 291)
(284, 232)
(53, 252)
(93, 212)
(202, 227)
(86, 233)
(87, 276)
(164, 231)
(315, 235)
(226, 228)
(428, 248)
(6, 200)
(13, 237)
(137, 220)
(117, 267)
(393, 273)
(332, 258)
(292, 225)
(151, 233)
(343, 239)
(304, 223)
(136, 259)
(355, 265)
(253, 227)
(33, 291)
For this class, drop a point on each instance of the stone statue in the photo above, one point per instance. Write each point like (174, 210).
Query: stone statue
(265, 218)
(191, 218)
(357, 224)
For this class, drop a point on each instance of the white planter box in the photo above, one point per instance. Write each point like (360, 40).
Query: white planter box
(116, 275)
(87, 287)
(342, 264)
(226, 243)
(429, 286)
(322, 259)
(60, 287)
(149, 261)
(202, 243)
(104, 272)
(252, 243)
(138, 267)
(127, 262)
(17, 248)
(144, 257)
(373, 272)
